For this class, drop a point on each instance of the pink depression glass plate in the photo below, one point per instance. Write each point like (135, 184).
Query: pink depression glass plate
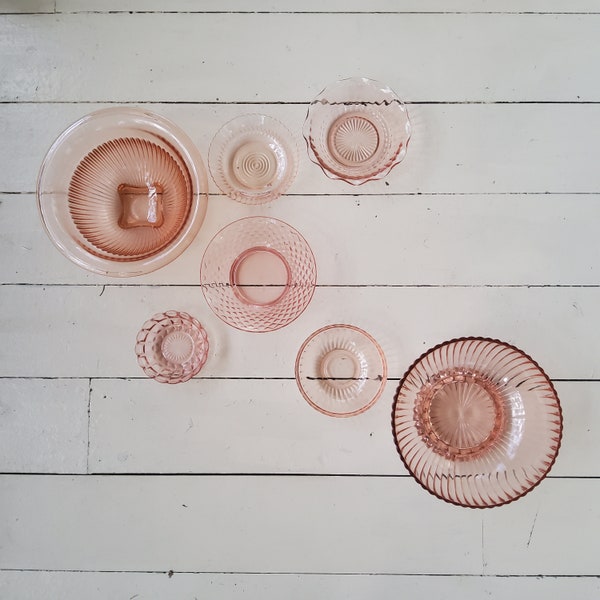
(477, 422)
(258, 274)
(357, 130)
(172, 347)
(253, 159)
(341, 370)
(122, 192)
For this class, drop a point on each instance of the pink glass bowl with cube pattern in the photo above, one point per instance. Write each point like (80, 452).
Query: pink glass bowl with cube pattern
(171, 347)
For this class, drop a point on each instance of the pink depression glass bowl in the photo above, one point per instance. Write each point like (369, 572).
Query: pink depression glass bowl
(253, 159)
(122, 192)
(172, 347)
(341, 370)
(477, 422)
(258, 274)
(357, 130)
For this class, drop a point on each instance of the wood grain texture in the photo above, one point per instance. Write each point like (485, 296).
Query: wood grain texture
(43, 425)
(534, 57)
(475, 149)
(231, 524)
(318, 6)
(434, 240)
(141, 427)
(232, 481)
(300, 524)
(97, 330)
(187, 586)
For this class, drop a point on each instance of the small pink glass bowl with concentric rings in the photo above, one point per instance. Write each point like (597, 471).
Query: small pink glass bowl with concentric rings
(172, 347)
(357, 130)
(253, 159)
(477, 422)
(258, 274)
(341, 370)
(122, 192)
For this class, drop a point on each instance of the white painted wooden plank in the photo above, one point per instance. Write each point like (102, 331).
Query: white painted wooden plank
(290, 524)
(97, 330)
(418, 240)
(232, 427)
(43, 426)
(232, 524)
(26, 6)
(19, 585)
(266, 427)
(455, 148)
(332, 5)
(549, 531)
(484, 57)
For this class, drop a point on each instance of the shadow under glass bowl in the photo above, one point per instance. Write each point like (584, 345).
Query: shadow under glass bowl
(171, 347)
(253, 159)
(477, 422)
(341, 370)
(258, 274)
(122, 192)
(357, 130)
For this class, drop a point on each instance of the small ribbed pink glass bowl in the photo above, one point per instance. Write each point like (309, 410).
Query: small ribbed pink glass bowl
(341, 370)
(477, 422)
(172, 347)
(253, 159)
(258, 274)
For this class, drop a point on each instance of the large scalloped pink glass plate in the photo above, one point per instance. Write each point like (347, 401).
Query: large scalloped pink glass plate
(171, 347)
(477, 422)
(258, 274)
(357, 130)
(341, 370)
(122, 192)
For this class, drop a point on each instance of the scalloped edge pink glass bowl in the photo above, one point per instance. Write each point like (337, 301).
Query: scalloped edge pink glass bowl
(122, 192)
(357, 130)
(172, 347)
(477, 422)
(253, 159)
(341, 370)
(258, 274)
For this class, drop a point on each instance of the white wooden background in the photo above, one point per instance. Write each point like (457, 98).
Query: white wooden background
(230, 486)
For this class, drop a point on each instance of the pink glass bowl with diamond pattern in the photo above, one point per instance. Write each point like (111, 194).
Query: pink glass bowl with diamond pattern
(477, 422)
(258, 274)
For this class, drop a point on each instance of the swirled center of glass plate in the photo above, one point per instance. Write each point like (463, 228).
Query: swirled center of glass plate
(461, 415)
(260, 276)
(254, 165)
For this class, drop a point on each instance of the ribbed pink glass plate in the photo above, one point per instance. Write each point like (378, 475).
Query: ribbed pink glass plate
(258, 274)
(477, 422)
(341, 370)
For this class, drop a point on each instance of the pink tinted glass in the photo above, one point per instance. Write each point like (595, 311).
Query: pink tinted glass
(477, 422)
